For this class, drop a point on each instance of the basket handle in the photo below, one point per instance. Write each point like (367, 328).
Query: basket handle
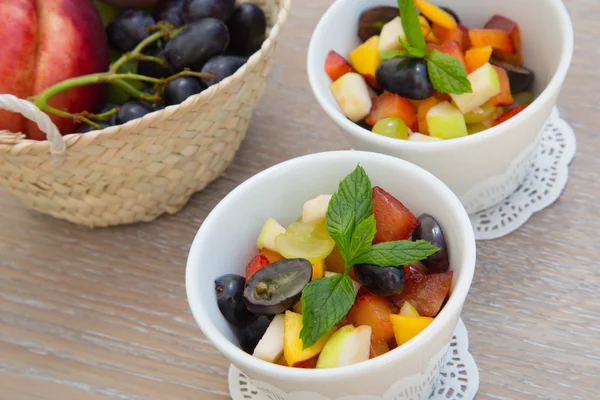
(32, 113)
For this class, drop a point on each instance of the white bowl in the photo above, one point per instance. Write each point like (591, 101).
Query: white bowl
(484, 168)
(226, 241)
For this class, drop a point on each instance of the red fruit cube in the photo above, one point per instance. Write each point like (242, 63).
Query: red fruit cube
(508, 115)
(336, 66)
(452, 49)
(504, 98)
(426, 293)
(459, 35)
(392, 219)
(512, 28)
(499, 40)
(392, 105)
(373, 311)
(258, 262)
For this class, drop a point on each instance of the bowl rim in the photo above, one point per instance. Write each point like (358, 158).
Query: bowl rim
(354, 129)
(237, 356)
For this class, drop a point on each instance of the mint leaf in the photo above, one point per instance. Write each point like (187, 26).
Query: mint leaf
(362, 238)
(325, 302)
(447, 74)
(411, 25)
(355, 190)
(340, 223)
(395, 254)
(408, 51)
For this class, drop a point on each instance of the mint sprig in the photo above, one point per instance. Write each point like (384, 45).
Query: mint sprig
(407, 52)
(412, 25)
(351, 223)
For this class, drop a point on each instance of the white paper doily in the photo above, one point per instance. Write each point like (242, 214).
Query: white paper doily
(546, 178)
(458, 379)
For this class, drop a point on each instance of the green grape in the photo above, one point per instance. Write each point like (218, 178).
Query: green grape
(522, 99)
(305, 240)
(391, 127)
(480, 114)
(475, 128)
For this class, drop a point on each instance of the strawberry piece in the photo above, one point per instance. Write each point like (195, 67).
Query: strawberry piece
(426, 293)
(459, 35)
(336, 66)
(258, 262)
(451, 48)
(508, 115)
(512, 28)
(504, 98)
(378, 347)
(392, 105)
(424, 107)
(496, 38)
(373, 311)
(393, 220)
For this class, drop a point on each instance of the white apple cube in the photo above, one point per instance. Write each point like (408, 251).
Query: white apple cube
(348, 346)
(266, 238)
(315, 210)
(485, 85)
(446, 122)
(270, 346)
(419, 137)
(355, 284)
(388, 39)
(352, 95)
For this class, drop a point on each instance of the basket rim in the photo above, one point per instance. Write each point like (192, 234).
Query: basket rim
(72, 138)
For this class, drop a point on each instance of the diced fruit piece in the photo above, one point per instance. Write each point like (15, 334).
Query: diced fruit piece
(446, 122)
(435, 14)
(253, 331)
(475, 128)
(352, 95)
(393, 220)
(391, 127)
(318, 269)
(272, 256)
(425, 292)
(305, 240)
(307, 364)
(491, 37)
(460, 35)
(230, 299)
(277, 287)
(355, 284)
(477, 57)
(388, 40)
(270, 347)
(380, 281)
(415, 268)
(419, 137)
(520, 78)
(335, 262)
(347, 346)
(523, 99)
(485, 85)
(450, 48)
(406, 328)
(336, 66)
(425, 26)
(508, 115)
(424, 107)
(282, 361)
(365, 58)
(480, 114)
(314, 210)
(392, 105)
(256, 263)
(430, 38)
(512, 28)
(293, 347)
(373, 311)
(372, 20)
(378, 347)
(266, 238)
(406, 77)
(504, 98)
(408, 310)
(297, 308)
(442, 96)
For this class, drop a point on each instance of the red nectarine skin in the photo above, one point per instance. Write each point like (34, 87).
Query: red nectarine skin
(17, 55)
(72, 43)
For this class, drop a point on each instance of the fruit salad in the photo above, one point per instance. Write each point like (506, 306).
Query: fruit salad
(420, 75)
(357, 275)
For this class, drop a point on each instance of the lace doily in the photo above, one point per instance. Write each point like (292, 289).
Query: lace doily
(546, 178)
(457, 380)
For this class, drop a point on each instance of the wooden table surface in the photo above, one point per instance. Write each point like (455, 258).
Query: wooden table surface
(103, 314)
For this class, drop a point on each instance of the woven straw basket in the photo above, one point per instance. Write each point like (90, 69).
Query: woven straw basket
(147, 167)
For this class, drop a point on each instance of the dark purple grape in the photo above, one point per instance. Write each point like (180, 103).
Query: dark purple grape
(372, 20)
(247, 29)
(406, 77)
(230, 299)
(154, 69)
(133, 110)
(520, 78)
(429, 230)
(179, 89)
(170, 11)
(85, 128)
(195, 10)
(220, 67)
(253, 331)
(128, 29)
(278, 286)
(196, 44)
(112, 120)
(382, 281)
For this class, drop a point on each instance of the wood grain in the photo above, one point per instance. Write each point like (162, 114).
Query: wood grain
(103, 314)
